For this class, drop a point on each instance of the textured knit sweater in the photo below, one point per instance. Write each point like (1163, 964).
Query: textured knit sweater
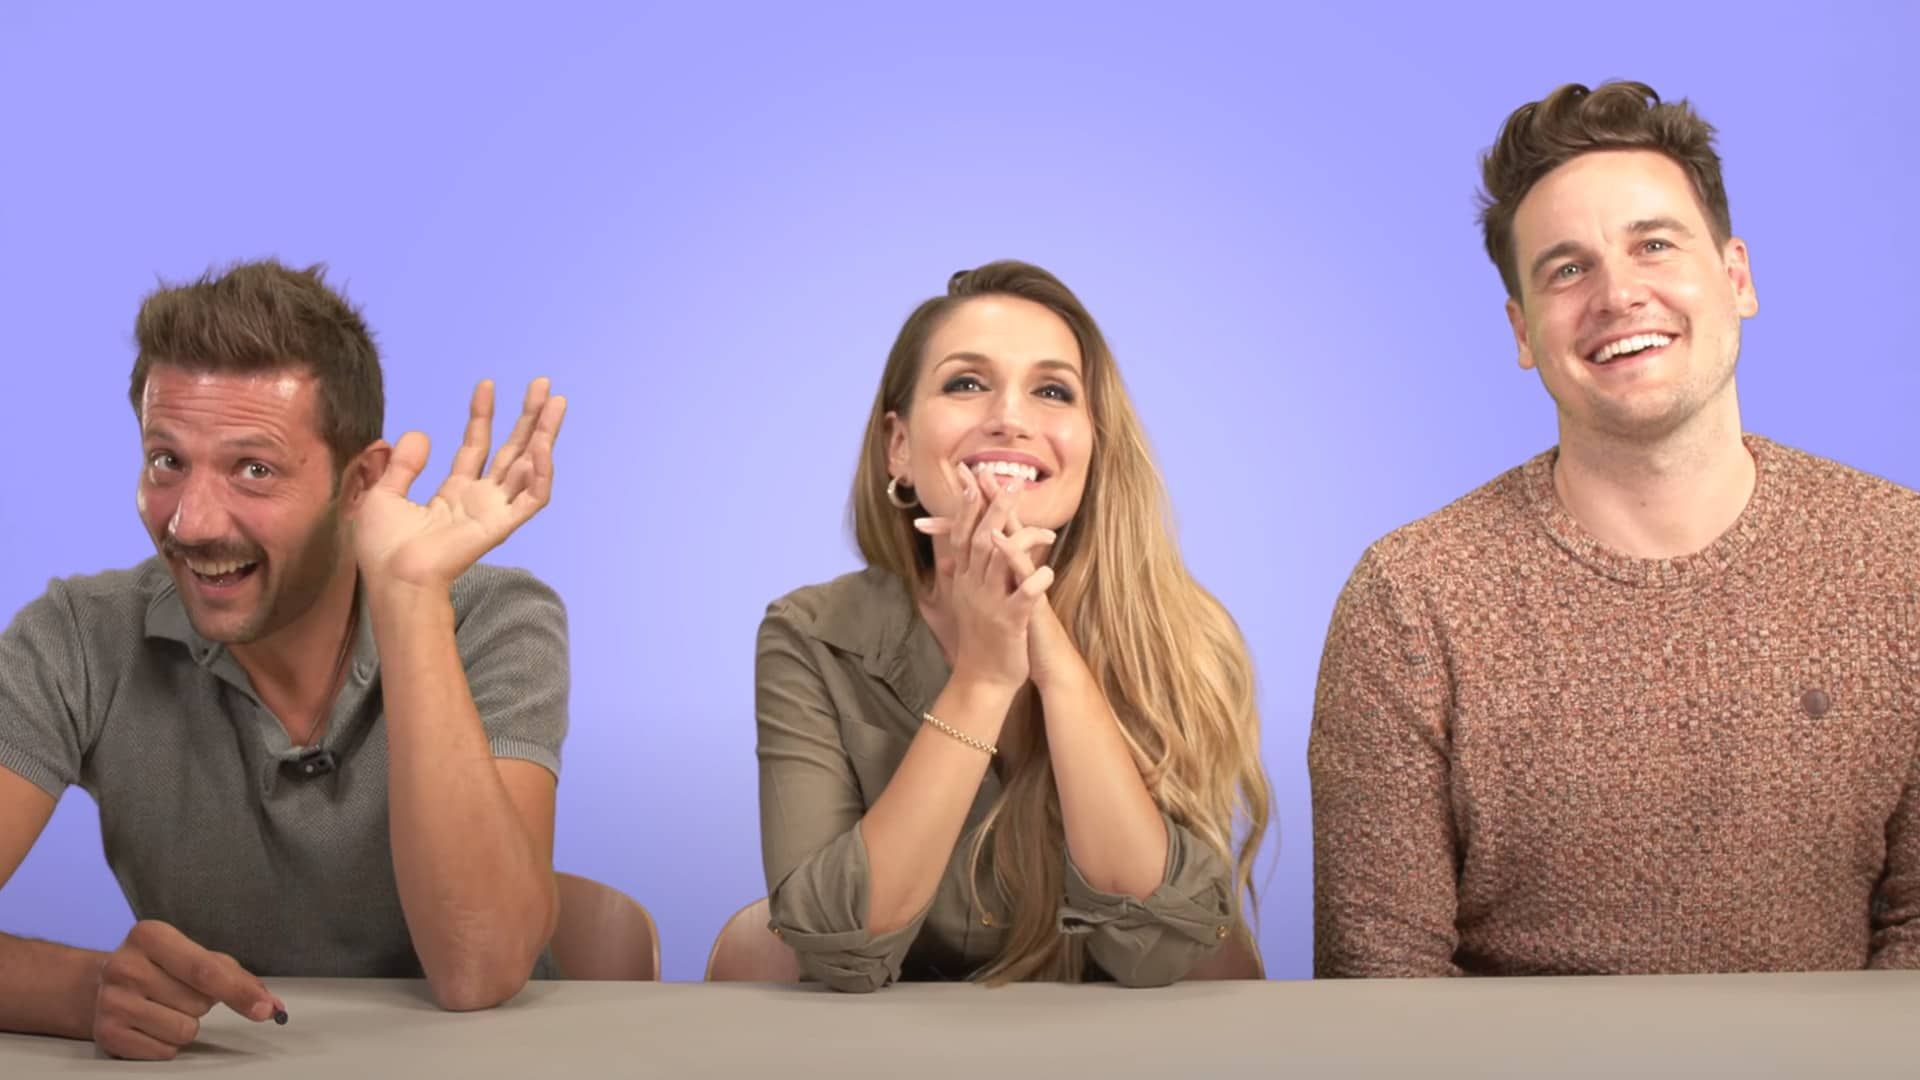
(1532, 754)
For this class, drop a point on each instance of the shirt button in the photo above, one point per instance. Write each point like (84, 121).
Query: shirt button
(987, 919)
(1816, 702)
(1220, 932)
(776, 931)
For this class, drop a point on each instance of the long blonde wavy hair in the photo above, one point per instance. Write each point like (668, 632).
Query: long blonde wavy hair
(1169, 658)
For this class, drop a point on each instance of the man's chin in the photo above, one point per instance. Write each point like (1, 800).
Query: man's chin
(224, 629)
(223, 624)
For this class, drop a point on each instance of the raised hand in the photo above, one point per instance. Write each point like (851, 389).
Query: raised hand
(159, 983)
(398, 540)
(1050, 651)
(991, 607)
(1025, 547)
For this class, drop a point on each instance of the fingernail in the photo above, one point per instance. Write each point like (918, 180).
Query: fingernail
(925, 524)
(260, 1011)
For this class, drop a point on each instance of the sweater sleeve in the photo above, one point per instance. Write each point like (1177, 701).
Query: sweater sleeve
(1385, 866)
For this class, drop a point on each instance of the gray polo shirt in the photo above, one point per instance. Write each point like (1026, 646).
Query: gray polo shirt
(103, 683)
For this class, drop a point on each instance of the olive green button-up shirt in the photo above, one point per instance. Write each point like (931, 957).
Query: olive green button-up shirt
(843, 673)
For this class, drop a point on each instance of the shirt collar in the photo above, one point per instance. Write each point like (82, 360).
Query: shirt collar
(871, 614)
(167, 620)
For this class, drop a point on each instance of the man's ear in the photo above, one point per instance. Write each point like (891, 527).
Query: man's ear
(1517, 317)
(364, 471)
(1740, 275)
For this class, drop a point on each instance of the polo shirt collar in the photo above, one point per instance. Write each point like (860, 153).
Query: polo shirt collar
(167, 620)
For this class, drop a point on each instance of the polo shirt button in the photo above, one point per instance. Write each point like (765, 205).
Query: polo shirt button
(987, 919)
(1220, 932)
(1816, 702)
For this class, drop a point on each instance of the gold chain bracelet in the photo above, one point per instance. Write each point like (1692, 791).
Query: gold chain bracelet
(986, 748)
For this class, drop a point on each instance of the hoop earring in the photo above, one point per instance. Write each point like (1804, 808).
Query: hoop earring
(893, 495)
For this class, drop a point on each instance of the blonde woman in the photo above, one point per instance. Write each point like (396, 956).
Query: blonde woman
(1021, 744)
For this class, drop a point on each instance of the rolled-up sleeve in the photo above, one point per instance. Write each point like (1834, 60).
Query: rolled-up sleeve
(810, 811)
(1155, 941)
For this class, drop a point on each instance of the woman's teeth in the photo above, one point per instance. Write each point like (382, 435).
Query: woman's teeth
(1008, 468)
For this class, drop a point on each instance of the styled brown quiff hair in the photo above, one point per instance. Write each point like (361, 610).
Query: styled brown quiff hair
(259, 317)
(1543, 135)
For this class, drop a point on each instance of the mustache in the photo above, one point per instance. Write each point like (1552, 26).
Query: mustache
(223, 551)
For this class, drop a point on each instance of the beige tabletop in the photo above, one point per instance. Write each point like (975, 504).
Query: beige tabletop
(1827, 1025)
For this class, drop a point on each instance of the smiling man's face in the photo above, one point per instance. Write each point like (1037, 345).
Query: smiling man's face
(1629, 308)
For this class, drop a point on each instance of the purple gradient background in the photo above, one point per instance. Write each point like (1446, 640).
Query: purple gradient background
(706, 226)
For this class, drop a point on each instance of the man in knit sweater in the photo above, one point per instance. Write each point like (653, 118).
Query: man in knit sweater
(1648, 702)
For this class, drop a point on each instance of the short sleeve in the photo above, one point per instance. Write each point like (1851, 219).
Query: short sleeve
(43, 693)
(512, 636)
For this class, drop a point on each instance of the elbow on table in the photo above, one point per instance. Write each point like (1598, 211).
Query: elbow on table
(1147, 978)
(475, 989)
(846, 971)
(1130, 965)
(852, 979)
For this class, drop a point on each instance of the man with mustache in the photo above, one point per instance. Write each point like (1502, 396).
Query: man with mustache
(322, 740)
(1647, 702)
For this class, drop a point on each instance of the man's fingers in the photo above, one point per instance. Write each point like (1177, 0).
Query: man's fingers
(532, 411)
(403, 467)
(525, 491)
(131, 968)
(552, 415)
(472, 455)
(173, 993)
(236, 988)
(216, 975)
(538, 463)
(156, 1021)
(116, 1039)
